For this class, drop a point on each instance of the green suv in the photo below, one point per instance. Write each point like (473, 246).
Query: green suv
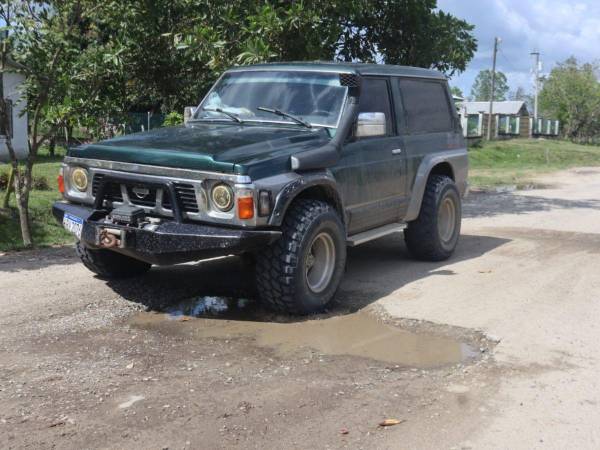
(290, 163)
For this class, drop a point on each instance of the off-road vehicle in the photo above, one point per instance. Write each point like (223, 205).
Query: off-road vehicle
(290, 163)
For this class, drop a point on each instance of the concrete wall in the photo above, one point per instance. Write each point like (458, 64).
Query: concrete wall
(12, 82)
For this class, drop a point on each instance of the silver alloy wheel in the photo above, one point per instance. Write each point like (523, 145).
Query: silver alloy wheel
(320, 262)
(447, 219)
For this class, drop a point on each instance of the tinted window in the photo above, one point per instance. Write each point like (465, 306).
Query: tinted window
(426, 106)
(375, 97)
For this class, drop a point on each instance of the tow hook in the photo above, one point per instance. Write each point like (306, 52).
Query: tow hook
(110, 238)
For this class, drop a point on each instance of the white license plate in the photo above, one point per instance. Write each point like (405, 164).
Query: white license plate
(73, 224)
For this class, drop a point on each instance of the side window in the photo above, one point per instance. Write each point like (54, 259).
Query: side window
(426, 105)
(375, 98)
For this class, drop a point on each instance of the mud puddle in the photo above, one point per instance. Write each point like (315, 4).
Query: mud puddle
(359, 334)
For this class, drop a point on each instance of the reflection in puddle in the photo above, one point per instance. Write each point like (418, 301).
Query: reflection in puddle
(359, 334)
(207, 306)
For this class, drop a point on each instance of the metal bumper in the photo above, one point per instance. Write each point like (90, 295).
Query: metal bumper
(170, 242)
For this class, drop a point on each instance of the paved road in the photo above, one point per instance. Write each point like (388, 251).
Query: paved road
(496, 348)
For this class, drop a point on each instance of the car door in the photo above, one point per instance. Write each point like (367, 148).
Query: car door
(372, 170)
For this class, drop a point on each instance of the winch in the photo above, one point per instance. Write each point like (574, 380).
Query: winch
(128, 214)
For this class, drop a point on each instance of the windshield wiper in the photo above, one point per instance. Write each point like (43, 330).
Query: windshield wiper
(227, 113)
(285, 114)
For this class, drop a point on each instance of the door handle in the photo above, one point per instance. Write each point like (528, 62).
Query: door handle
(396, 151)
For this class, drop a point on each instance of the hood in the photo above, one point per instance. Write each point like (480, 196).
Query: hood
(229, 148)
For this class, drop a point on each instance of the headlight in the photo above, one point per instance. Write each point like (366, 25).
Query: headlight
(79, 179)
(222, 197)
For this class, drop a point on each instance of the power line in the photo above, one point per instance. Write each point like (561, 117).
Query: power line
(507, 60)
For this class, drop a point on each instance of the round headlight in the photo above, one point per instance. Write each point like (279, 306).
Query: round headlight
(79, 179)
(222, 197)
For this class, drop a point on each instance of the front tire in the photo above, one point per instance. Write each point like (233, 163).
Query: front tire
(108, 264)
(434, 234)
(301, 272)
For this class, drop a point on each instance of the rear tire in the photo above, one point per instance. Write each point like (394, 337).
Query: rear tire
(301, 272)
(109, 264)
(434, 234)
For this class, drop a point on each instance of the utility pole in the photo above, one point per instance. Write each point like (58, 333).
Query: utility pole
(491, 109)
(536, 83)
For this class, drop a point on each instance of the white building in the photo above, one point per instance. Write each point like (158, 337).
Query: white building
(509, 119)
(12, 81)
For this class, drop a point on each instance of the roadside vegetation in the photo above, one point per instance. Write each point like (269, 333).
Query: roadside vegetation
(517, 162)
(46, 231)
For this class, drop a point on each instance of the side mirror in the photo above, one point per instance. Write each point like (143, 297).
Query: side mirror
(370, 124)
(188, 113)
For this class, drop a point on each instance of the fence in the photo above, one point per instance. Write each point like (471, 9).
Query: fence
(508, 126)
(546, 127)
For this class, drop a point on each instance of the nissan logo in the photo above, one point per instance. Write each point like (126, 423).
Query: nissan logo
(141, 192)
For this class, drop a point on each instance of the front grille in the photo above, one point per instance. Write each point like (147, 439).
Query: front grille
(186, 194)
(187, 197)
(113, 191)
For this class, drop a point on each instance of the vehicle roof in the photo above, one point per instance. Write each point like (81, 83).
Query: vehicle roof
(346, 67)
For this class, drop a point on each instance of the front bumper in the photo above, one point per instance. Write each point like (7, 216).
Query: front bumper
(169, 242)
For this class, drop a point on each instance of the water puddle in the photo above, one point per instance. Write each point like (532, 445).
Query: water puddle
(358, 334)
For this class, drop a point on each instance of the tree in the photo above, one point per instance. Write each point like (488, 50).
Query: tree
(88, 63)
(243, 32)
(571, 93)
(68, 67)
(456, 92)
(408, 32)
(482, 87)
(521, 95)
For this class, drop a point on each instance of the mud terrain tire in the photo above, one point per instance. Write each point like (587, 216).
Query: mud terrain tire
(109, 264)
(300, 273)
(434, 234)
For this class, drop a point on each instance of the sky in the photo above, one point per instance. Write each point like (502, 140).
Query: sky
(558, 29)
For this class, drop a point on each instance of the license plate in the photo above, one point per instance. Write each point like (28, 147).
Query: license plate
(73, 224)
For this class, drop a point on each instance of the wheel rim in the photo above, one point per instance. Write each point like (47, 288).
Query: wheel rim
(320, 262)
(447, 219)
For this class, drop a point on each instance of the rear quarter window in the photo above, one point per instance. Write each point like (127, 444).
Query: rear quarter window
(426, 105)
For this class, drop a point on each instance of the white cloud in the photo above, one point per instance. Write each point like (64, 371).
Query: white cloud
(558, 29)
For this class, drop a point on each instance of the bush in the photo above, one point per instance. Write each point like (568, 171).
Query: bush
(474, 143)
(172, 119)
(41, 184)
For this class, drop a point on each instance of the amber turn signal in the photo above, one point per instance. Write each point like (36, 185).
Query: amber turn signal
(245, 207)
(61, 183)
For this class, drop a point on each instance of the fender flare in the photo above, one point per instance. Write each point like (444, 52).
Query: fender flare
(458, 160)
(294, 188)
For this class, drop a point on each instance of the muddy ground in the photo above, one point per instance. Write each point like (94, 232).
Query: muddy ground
(496, 348)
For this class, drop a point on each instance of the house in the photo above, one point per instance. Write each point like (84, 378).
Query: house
(509, 119)
(12, 80)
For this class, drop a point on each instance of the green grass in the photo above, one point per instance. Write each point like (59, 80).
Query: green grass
(518, 161)
(45, 229)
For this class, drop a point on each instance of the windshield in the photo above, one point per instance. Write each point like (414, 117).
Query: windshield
(315, 98)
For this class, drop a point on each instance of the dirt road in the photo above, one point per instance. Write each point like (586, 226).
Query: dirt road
(496, 348)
